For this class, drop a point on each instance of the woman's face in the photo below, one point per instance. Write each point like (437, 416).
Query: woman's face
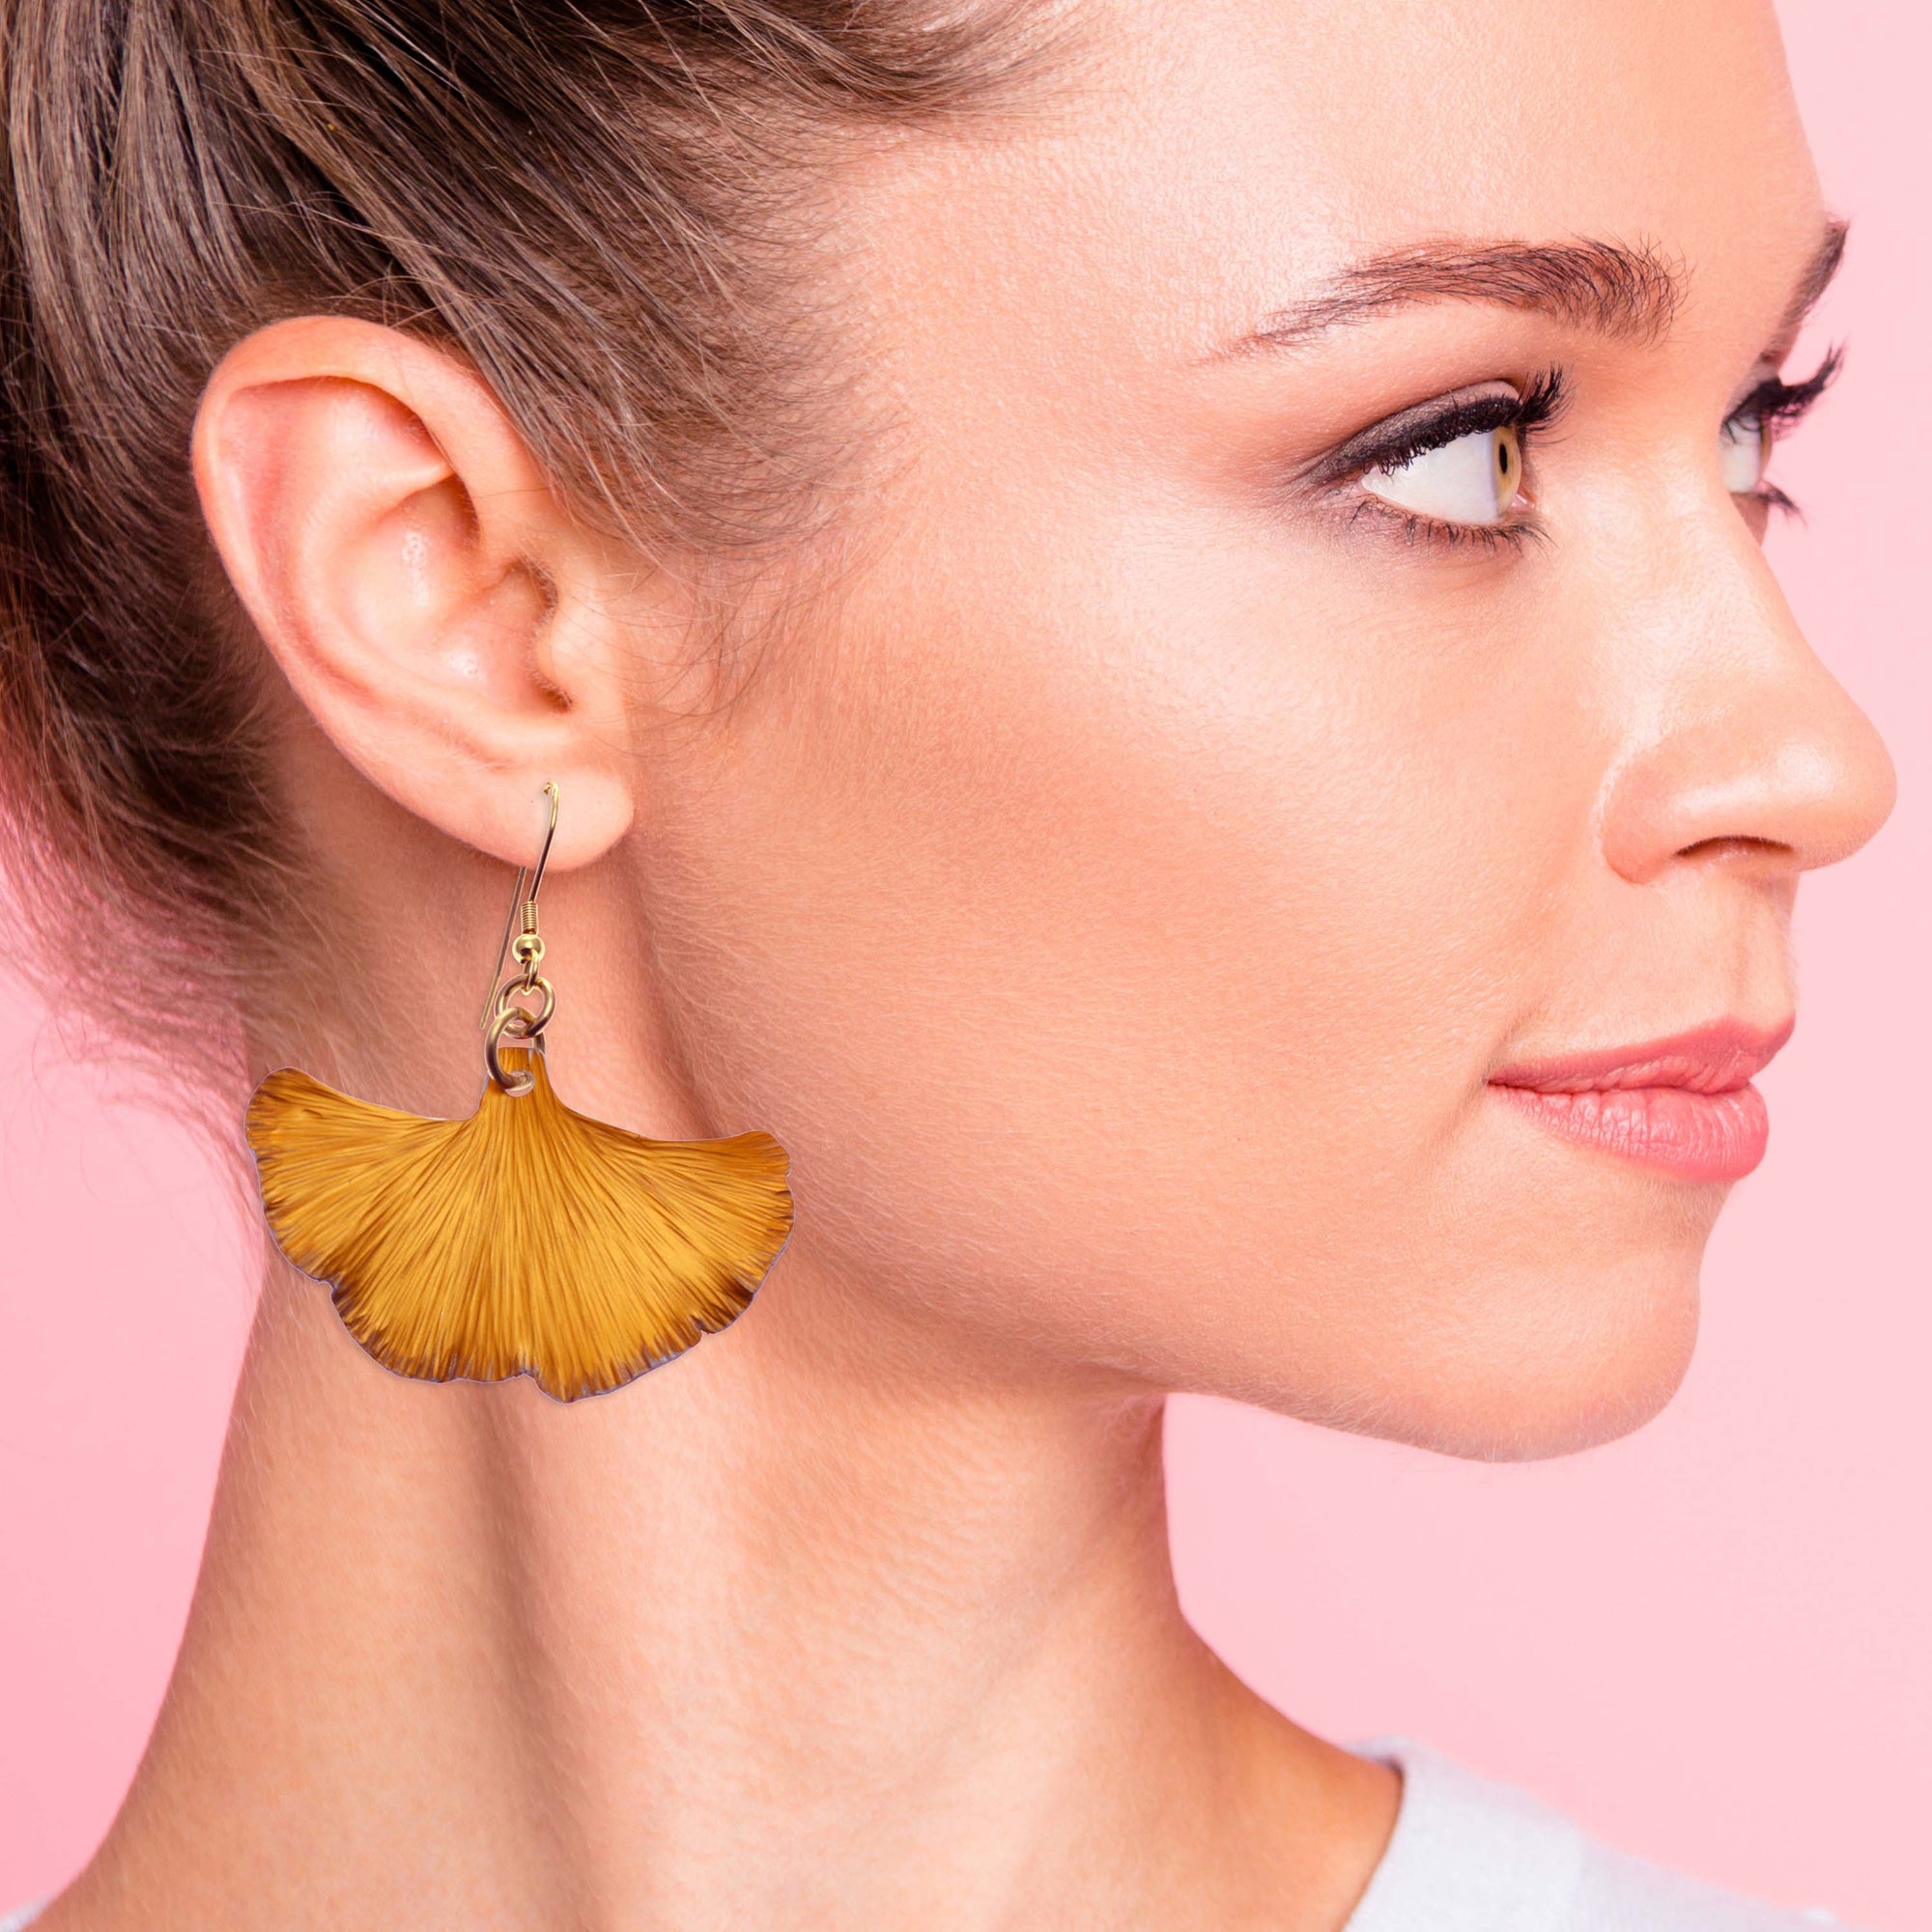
(1304, 650)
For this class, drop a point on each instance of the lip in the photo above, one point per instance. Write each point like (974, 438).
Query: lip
(1682, 1105)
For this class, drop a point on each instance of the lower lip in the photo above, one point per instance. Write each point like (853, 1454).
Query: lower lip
(1691, 1135)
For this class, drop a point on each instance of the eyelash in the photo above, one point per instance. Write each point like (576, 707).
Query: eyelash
(1528, 412)
(1782, 405)
(1774, 402)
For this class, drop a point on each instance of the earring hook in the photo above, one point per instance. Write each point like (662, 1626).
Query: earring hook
(523, 905)
(549, 838)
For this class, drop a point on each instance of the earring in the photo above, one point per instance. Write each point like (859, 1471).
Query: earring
(527, 1239)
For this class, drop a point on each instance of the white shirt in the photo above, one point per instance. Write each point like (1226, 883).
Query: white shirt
(1472, 1854)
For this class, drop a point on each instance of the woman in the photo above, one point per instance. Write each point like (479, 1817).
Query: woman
(1150, 626)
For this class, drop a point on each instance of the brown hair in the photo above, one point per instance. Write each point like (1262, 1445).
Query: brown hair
(594, 201)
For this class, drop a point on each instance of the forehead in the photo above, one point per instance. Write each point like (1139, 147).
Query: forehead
(1216, 156)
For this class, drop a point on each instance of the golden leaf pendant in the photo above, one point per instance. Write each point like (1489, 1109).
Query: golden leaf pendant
(527, 1239)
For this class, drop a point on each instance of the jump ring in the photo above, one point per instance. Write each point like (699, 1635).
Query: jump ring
(515, 1022)
(506, 999)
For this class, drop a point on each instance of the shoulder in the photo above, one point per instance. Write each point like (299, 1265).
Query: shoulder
(1472, 1854)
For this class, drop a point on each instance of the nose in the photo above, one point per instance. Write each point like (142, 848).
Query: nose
(1756, 758)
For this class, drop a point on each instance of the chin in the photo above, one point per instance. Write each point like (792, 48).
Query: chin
(1577, 1419)
(1624, 1355)
(1529, 1365)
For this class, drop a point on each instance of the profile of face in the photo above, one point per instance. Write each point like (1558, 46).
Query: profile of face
(1300, 649)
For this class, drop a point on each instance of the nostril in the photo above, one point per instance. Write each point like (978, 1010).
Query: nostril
(1739, 845)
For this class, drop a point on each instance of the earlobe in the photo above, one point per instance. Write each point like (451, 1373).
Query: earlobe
(405, 566)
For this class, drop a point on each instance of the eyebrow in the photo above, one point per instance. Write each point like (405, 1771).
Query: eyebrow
(1825, 263)
(1628, 293)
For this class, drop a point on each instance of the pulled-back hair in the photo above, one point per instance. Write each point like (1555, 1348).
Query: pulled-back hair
(595, 202)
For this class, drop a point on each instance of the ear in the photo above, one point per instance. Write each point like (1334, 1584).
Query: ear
(422, 591)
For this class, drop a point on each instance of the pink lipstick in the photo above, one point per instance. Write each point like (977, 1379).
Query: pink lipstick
(1684, 1105)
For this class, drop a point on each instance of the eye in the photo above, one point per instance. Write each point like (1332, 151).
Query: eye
(1743, 450)
(1473, 478)
(1760, 419)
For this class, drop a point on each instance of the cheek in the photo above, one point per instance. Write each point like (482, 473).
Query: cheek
(1120, 952)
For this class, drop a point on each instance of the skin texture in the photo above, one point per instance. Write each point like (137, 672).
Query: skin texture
(1113, 875)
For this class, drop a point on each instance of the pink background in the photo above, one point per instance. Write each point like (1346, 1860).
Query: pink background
(1712, 1641)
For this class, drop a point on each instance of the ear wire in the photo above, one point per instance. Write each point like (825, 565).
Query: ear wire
(519, 903)
(502, 1016)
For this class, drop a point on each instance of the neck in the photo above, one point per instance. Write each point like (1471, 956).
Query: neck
(823, 1624)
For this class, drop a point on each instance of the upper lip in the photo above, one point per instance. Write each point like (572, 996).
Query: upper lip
(1718, 1057)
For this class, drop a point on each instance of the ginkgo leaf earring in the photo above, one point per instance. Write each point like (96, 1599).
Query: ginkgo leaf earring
(527, 1239)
